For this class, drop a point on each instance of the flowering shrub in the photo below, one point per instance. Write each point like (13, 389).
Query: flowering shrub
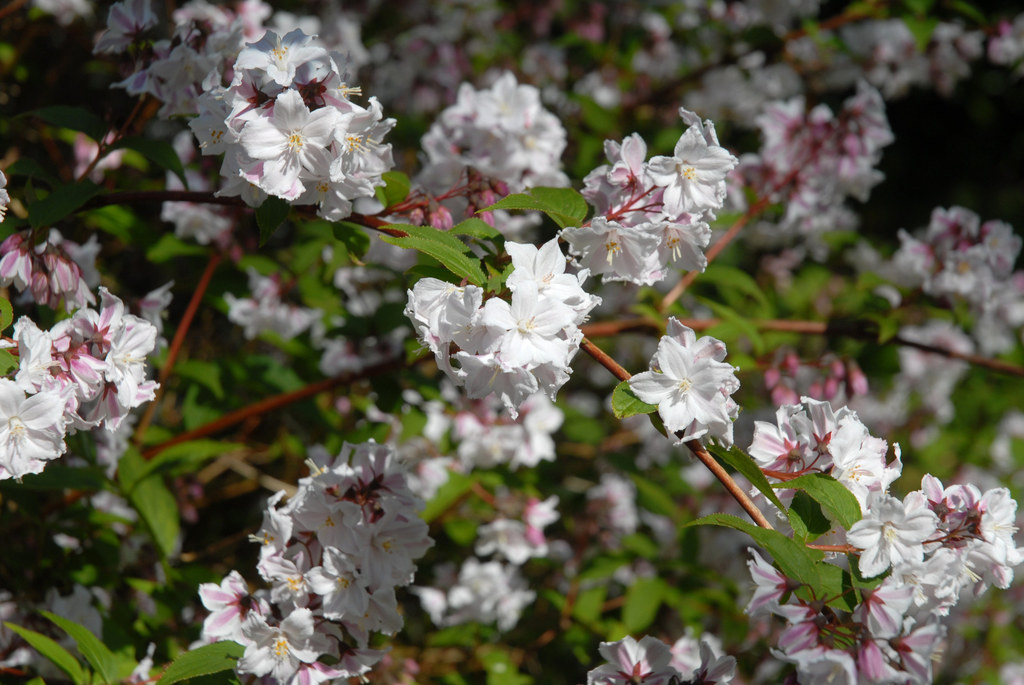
(694, 328)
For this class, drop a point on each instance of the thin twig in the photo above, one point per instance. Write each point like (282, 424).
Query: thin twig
(731, 485)
(176, 343)
(271, 403)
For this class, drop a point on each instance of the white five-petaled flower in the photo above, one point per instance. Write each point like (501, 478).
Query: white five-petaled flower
(292, 141)
(31, 429)
(690, 384)
(279, 650)
(890, 534)
(694, 177)
(629, 661)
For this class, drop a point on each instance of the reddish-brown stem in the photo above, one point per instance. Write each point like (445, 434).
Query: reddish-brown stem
(102, 146)
(177, 342)
(731, 485)
(11, 7)
(842, 549)
(271, 403)
(714, 251)
(604, 360)
(696, 448)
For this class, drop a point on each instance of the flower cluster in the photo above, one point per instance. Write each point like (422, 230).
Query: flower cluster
(652, 662)
(936, 541)
(49, 271)
(650, 214)
(812, 161)
(691, 384)
(512, 349)
(333, 556)
(959, 258)
(502, 132)
(87, 371)
(177, 71)
(287, 128)
(813, 438)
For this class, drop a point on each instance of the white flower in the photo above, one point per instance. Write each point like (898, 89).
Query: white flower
(31, 429)
(279, 650)
(694, 177)
(890, 535)
(647, 661)
(292, 140)
(691, 386)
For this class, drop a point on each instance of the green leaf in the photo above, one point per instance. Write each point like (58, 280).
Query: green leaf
(565, 206)
(62, 477)
(151, 498)
(741, 322)
(970, 11)
(745, 465)
(52, 651)
(626, 403)
(922, 29)
(442, 246)
(64, 200)
(796, 560)
(806, 517)
(725, 276)
(160, 152)
(30, 168)
(215, 658)
(643, 599)
(653, 497)
(74, 118)
(395, 189)
(501, 670)
(589, 603)
(169, 247)
(353, 237)
(6, 314)
(830, 494)
(836, 585)
(270, 215)
(95, 652)
(205, 373)
(476, 228)
(7, 362)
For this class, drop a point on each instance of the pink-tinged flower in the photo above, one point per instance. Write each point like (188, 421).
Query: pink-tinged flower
(647, 662)
(884, 608)
(5, 199)
(229, 604)
(889, 534)
(31, 429)
(916, 650)
(278, 651)
(691, 386)
(125, 23)
(771, 584)
(291, 141)
(16, 261)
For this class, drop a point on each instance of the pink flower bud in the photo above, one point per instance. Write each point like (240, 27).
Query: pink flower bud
(856, 381)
